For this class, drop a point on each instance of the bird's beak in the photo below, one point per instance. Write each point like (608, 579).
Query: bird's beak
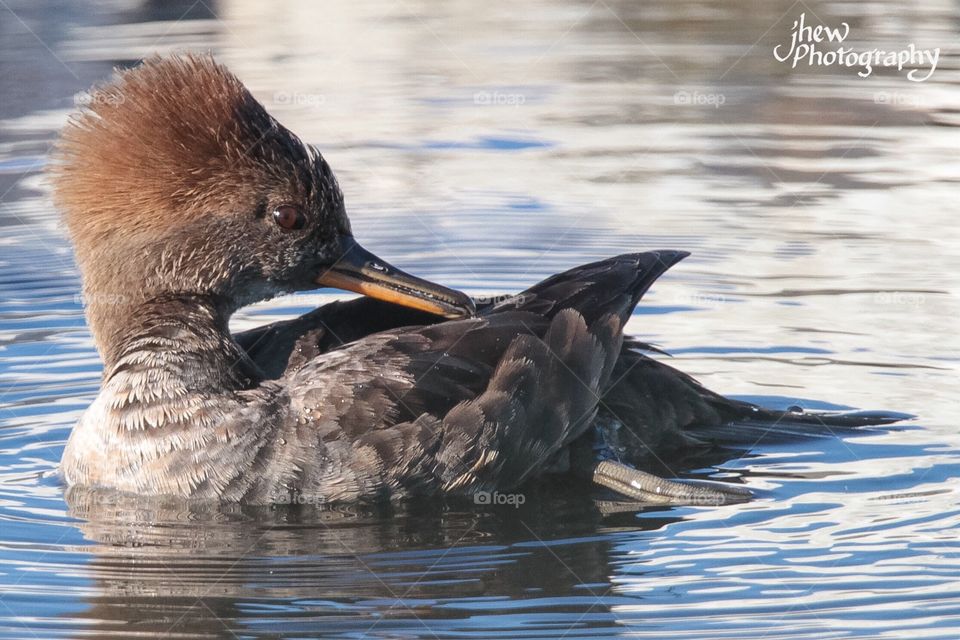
(361, 271)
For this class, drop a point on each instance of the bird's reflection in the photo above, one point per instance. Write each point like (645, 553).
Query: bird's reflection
(200, 569)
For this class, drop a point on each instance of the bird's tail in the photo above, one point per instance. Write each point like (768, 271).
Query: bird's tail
(664, 409)
(614, 285)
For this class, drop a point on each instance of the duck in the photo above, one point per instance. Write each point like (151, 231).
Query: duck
(185, 200)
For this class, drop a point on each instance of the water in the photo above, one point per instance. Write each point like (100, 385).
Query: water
(486, 146)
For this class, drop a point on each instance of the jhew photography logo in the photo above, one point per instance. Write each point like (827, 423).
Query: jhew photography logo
(813, 45)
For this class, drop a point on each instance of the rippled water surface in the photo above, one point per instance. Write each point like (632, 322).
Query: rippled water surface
(486, 146)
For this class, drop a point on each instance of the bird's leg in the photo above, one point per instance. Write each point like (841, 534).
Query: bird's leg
(646, 487)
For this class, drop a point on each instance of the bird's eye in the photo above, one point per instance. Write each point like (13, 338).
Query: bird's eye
(289, 217)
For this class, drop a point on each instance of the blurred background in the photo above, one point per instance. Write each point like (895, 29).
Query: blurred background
(486, 146)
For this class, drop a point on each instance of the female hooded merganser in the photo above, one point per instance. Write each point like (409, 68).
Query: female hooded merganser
(185, 200)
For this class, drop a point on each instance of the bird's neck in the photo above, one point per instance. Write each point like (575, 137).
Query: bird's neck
(166, 418)
(174, 340)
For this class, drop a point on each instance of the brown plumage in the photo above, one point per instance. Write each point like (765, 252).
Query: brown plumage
(185, 200)
(171, 139)
(153, 173)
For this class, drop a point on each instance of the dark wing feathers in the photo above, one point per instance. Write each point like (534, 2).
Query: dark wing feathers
(459, 405)
(609, 286)
(656, 405)
(663, 411)
(541, 396)
(289, 344)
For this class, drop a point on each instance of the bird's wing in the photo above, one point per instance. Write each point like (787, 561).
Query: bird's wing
(455, 406)
(469, 404)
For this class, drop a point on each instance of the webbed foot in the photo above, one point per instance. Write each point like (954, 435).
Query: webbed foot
(648, 488)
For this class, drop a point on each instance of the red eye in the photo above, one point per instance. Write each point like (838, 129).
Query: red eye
(289, 217)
